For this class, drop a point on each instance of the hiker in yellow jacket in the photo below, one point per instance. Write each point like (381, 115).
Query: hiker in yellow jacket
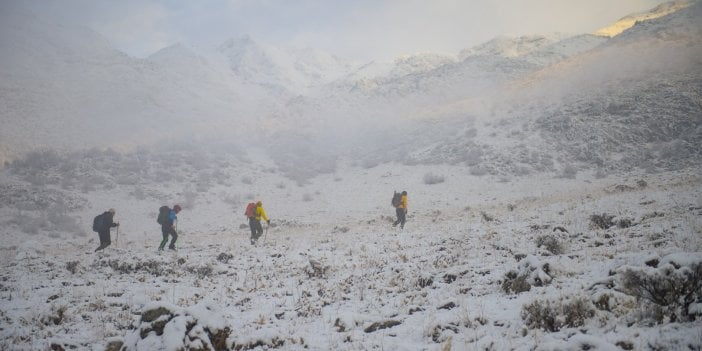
(255, 222)
(401, 211)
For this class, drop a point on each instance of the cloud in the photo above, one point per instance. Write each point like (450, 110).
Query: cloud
(361, 28)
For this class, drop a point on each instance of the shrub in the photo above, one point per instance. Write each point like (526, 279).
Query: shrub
(224, 257)
(671, 286)
(552, 316)
(530, 272)
(602, 221)
(550, 243)
(72, 266)
(515, 283)
(57, 316)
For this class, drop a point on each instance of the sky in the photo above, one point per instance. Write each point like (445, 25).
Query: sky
(358, 29)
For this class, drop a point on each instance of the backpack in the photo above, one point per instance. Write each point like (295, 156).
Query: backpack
(163, 212)
(250, 210)
(396, 199)
(98, 223)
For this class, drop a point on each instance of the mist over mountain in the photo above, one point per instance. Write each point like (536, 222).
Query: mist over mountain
(555, 193)
(65, 87)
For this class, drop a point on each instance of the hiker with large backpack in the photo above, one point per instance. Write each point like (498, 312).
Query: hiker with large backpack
(102, 224)
(399, 201)
(254, 212)
(168, 218)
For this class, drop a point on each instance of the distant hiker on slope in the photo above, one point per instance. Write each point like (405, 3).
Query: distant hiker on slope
(167, 219)
(102, 224)
(254, 212)
(399, 201)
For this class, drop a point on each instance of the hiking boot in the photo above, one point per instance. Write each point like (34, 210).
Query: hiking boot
(172, 248)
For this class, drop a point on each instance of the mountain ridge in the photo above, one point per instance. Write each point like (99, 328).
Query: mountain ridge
(242, 89)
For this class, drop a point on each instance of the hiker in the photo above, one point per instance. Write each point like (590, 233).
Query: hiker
(400, 210)
(102, 224)
(255, 212)
(168, 226)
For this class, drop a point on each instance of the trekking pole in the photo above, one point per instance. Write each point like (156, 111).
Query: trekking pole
(117, 240)
(265, 235)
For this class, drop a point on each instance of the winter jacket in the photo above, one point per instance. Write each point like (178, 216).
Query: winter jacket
(260, 213)
(172, 218)
(107, 221)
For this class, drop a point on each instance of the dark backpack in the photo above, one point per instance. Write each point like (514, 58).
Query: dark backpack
(163, 212)
(99, 222)
(250, 210)
(396, 199)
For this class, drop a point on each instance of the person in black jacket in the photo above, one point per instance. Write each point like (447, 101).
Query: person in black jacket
(104, 223)
(169, 228)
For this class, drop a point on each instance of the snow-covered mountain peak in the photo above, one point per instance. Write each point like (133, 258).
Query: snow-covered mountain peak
(630, 20)
(682, 25)
(419, 63)
(511, 47)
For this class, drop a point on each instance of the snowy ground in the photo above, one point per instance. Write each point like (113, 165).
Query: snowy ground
(436, 285)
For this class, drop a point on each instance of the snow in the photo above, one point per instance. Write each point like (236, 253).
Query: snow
(544, 175)
(264, 292)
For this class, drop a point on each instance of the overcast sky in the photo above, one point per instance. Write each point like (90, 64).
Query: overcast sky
(363, 29)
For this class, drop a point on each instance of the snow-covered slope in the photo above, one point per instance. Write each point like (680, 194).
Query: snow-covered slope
(551, 185)
(285, 71)
(64, 87)
(534, 263)
(631, 20)
(630, 102)
(243, 89)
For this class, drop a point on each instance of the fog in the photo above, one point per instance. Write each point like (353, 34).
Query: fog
(67, 89)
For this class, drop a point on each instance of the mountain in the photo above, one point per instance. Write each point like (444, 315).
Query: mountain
(554, 194)
(64, 87)
(284, 71)
(631, 102)
(89, 94)
(630, 20)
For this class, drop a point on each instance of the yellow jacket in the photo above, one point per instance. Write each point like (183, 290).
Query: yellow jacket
(403, 202)
(260, 213)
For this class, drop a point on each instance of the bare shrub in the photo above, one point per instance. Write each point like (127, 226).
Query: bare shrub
(487, 217)
(72, 266)
(431, 178)
(550, 243)
(552, 316)
(201, 272)
(671, 286)
(424, 282)
(530, 272)
(224, 257)
(601, 221)
(515, 283)
(56, 317)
